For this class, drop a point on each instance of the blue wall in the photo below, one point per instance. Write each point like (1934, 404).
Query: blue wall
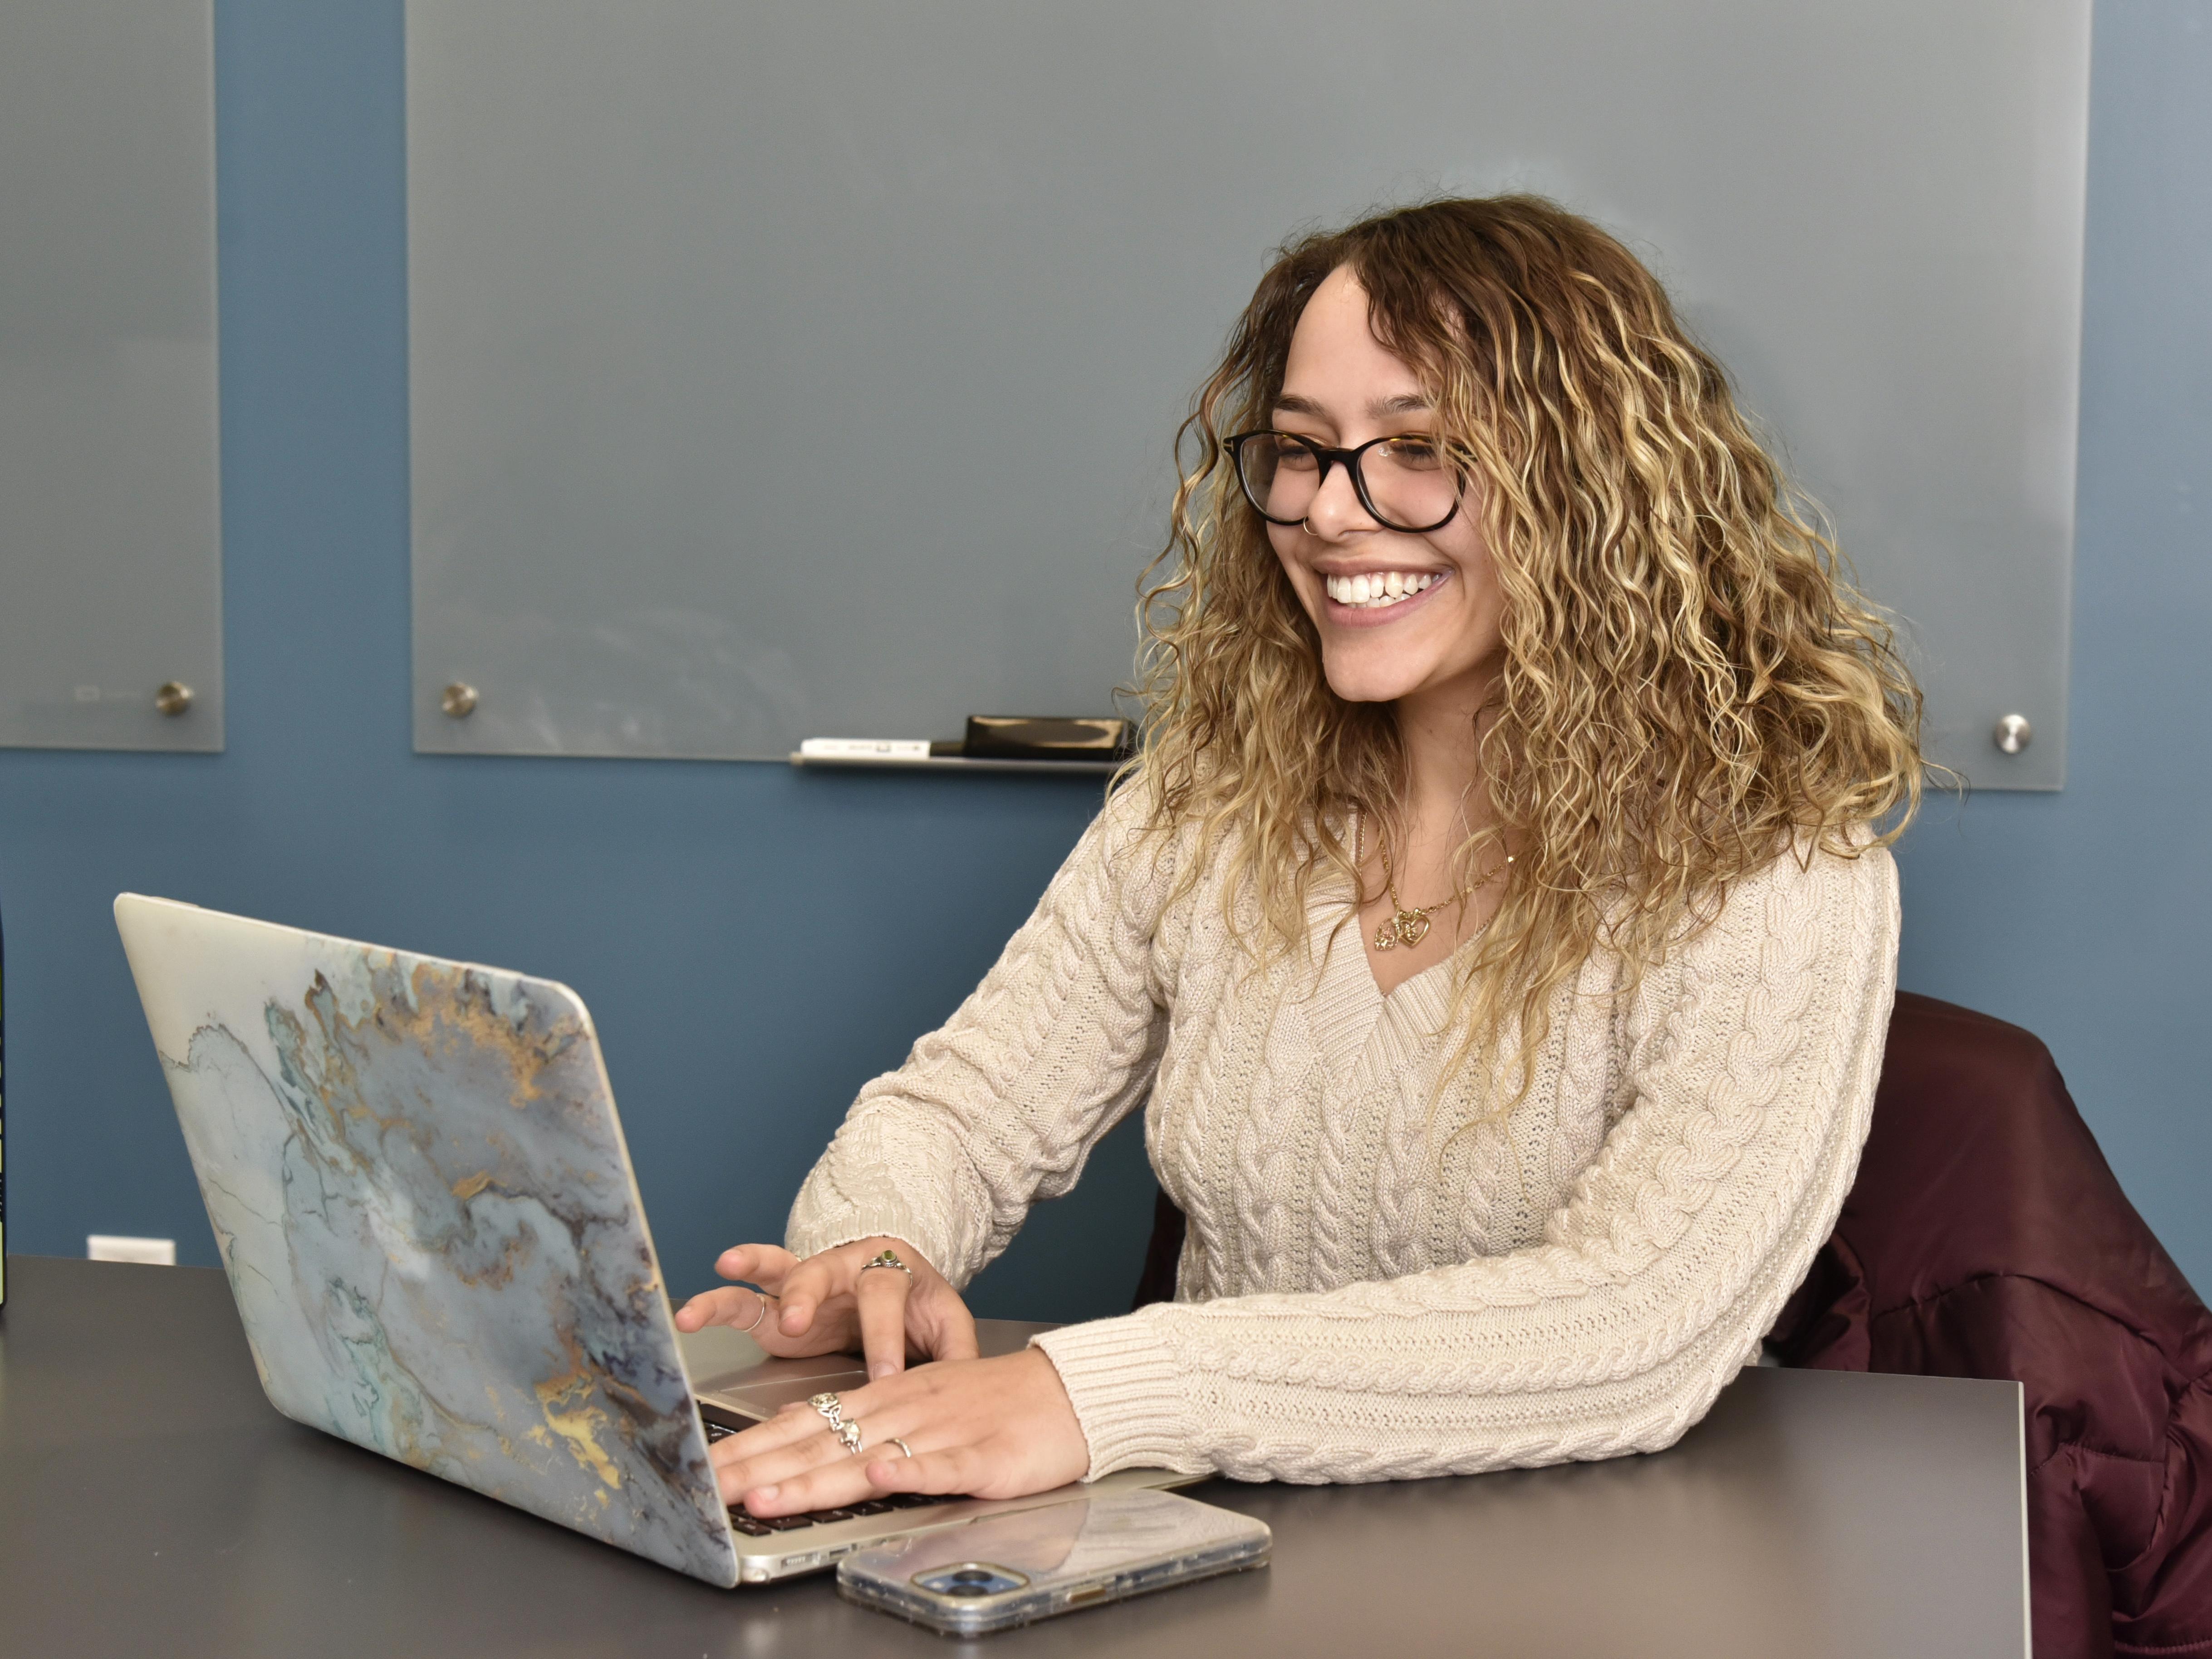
(755, 943)
(2085, 915)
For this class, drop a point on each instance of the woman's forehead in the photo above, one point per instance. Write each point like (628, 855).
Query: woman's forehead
(1337, 368)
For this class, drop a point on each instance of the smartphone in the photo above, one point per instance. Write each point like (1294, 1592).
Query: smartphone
(1016, 1568)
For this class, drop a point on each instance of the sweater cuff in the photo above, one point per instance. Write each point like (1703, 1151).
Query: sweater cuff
(1127, 1393)
(847, 1226)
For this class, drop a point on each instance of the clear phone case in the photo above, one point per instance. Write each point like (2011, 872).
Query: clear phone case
(1016, 1568)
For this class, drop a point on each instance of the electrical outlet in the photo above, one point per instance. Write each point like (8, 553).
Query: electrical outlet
(112, 1247)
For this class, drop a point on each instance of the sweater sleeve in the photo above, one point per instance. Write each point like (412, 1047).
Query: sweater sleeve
(1001, 1105)
(1752, 1054)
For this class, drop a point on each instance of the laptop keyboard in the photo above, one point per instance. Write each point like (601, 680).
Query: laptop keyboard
(755, 1526)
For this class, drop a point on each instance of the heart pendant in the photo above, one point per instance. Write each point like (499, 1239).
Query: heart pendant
(1413, 927)
(1385, 938)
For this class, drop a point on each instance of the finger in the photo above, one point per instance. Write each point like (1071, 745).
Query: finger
(778, 1463)
(764, 1264)
(883, 1459)
(815, 1472)
(826, 1487)
(732, 1305)
(794, 1423)
(806, 1287)
(954, 1469)
(763, 1477)
(953, 1334)
(880, 1295)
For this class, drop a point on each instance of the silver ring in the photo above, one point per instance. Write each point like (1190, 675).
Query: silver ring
(827, 1405)
(885, 1259)
(757, 1318)
(848, 1436)
(904, 1449)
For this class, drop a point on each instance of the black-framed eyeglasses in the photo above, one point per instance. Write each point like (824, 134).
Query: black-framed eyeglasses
(1407, 482)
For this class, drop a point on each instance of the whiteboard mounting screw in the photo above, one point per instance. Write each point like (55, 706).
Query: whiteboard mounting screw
(173, 697)
(2012, 734)
(459, 701)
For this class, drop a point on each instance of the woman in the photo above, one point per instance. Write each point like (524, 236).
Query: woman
(1498, 930)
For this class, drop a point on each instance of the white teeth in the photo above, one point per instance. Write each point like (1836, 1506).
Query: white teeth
(1383, 587)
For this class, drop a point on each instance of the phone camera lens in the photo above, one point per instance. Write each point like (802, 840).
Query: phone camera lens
(970, 1581)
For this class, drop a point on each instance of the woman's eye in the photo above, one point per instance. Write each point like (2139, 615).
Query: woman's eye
(1415, 454)
(1294, 458)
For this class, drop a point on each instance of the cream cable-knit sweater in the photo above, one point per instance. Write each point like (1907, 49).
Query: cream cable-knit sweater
(1364, 1293)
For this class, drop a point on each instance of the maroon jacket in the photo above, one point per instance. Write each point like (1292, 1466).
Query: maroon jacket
(1986, 1236)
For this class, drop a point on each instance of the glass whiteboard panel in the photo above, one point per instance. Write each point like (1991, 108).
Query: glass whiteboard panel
(111, 541)
(782, 371)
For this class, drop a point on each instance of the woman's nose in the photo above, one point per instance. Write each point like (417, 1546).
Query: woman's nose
(1337, 510)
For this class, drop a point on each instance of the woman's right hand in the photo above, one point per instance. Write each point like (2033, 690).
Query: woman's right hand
(834, 1302)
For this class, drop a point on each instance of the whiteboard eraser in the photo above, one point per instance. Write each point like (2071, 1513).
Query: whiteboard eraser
(114, 1247)
(1041, 737)
(864, 749)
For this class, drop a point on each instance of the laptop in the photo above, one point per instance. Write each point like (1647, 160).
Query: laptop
(422, 1198)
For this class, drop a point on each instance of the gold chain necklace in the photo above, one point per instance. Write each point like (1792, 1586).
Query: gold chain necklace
(1407, 926)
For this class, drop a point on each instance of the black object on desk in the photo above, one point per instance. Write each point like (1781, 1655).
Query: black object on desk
(151, 1501)
(1031, 738)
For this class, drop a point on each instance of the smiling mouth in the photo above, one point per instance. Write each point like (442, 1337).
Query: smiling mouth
(1380, 590)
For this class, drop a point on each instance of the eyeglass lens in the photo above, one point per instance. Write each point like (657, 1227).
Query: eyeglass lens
(1409, 484)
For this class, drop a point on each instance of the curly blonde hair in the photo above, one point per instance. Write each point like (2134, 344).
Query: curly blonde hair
(1690, 688)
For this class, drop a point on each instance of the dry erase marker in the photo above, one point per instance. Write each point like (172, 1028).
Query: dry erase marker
(864, 749)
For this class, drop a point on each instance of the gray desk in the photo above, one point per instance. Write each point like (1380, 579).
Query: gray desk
(152, 1503)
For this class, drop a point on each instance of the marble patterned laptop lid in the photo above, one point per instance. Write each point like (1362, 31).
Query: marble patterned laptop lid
(420, 1192)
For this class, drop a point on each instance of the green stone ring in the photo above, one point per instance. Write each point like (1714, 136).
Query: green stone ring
(887, 1259)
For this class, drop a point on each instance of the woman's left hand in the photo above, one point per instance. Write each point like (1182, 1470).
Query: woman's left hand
(982, 1428)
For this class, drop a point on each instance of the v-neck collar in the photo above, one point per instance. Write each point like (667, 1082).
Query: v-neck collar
(1350, 1014)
